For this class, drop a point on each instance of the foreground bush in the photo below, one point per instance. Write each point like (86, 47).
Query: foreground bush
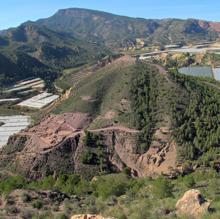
(162, 188)
(112, 185)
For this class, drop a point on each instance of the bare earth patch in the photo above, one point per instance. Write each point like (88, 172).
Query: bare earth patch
(161, 158)
(110, 115)
(87, 98)
(123, 61)
(55, 128)
(125, 105)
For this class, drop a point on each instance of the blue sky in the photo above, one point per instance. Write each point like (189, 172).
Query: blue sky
(14, 12)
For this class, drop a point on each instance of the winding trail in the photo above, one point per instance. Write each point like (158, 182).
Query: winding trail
(115, 128)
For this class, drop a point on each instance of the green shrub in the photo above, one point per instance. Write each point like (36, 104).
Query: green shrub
(37, 204)
(48, 182)
(83, 187)
(62, 216)
(91, 139)
(67, 183)
(87, 157)
(11, 183)
(189, 181)
(26, 197)
(112, 185)
(162, 188)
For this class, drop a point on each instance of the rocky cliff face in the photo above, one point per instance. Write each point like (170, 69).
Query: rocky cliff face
(35, 161)
(57, 145)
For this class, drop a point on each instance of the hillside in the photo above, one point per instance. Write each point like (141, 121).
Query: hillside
(73, 37)
(15, 66)
(140, 115)
(120, 31)
(125, 138)
(42, 50)
(123, 125)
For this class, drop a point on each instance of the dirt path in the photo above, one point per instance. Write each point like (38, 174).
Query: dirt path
(115, 128)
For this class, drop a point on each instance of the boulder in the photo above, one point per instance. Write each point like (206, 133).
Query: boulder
(192, 204)
(90, 216)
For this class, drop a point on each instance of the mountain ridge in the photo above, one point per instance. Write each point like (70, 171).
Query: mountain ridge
(116, 30)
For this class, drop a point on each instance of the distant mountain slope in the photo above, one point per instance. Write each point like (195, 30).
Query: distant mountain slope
(116, 30)
(50, 47)
(17, 66)
(42, 49)
(73, 37)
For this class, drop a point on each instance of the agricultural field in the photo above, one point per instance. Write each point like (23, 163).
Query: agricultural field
(18, 104)
(29, 93)
(39, 101)
(216, 72)
(9, 100)
(27, 85)
(200, 71)
(10, 125)
(195, 50)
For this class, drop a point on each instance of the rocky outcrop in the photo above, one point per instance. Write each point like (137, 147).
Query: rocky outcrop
(57, 145)
(192, 204)
(90, 216)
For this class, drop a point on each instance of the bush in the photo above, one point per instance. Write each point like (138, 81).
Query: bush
(37, 204)
(12, 183)
(189, 181)
(87, 157)
(83, 187)
(162, 188)
(91, 140)
(26, 197)
(112, 185)
(26, 214)
(67, 183)
(48, 182)
(62, 216)
(12, 210)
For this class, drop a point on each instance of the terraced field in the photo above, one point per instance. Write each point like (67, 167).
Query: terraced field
(72, 76)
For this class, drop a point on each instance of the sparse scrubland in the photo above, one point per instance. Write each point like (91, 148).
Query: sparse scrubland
(151, 99)
(126, 138)
(116, 195)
